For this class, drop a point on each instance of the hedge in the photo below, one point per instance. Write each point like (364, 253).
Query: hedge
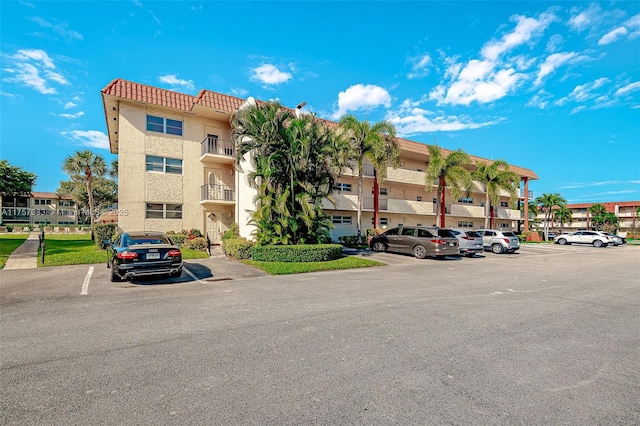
(102, 232)
(297, 253)
(240, 248)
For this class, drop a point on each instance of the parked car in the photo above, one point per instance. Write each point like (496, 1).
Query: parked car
(419, 241)
(617, 240)
(470, 241)
(136, 254)
(499, 241)
(595, 238)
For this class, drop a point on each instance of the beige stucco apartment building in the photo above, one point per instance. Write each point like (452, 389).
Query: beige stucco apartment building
(177, 171)
(39, 208)
(625, 211)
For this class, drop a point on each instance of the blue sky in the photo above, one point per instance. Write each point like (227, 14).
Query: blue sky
(550, 86)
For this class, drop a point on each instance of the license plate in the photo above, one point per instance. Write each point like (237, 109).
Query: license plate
(452, 244)
(153, 256)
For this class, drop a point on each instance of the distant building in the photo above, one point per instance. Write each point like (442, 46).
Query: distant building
(625, 211)
(39, 208)
(177, 171)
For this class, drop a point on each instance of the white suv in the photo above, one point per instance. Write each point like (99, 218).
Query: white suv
(595, 238)
(499, 241)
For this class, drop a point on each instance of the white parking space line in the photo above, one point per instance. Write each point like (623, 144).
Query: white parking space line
(193, 276)
(85, 284)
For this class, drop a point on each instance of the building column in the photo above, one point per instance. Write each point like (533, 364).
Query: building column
(526, 203)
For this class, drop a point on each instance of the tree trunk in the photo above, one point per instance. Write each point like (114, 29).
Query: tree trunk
(487, 204)
(91, 212)
(438, 202)
(442, 205)
(376, 200)
(359, 225)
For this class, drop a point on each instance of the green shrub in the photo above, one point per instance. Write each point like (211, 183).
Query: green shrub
(198, 243)
(232, 232)
(178, 239)
(348, 240)
(297, 253)
(102, 232)
(240, 248)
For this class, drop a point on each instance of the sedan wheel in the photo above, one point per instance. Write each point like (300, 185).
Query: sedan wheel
(597, 243)
(419, 252)
(497, 248)
(115, 278)
(562, 241)
(379, 246)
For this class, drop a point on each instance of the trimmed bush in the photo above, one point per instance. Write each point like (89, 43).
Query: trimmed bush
(198, 243)
(232, 232)
(348, 240)
(240, 248)
(297, 253)
(102, 232)
(178, 239)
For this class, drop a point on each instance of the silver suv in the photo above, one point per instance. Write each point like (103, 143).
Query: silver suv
(499, 241)
(470, 241)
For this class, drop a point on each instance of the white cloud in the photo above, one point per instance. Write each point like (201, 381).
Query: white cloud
(239, 91)
(155, 18)
(612, 36)
(73, 116)
(490, 78)
(556, 60)
(577, 109)
(420, 66)
(583, 92)
(628, 88)
(361, 96)
(555, 42)
(586, 18)
(540, 100)
(270, 74)
(174, 81)
(90, 138)
(61, 28)
(34, 68)
(69, 105)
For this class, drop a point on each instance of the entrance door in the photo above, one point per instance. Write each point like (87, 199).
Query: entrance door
(213, 228)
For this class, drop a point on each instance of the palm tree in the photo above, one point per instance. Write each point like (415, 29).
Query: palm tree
(547, 202)
(496, 178)
(562, 215)
(447, 171)
(375, 142)
(86, 165)
(297, 161)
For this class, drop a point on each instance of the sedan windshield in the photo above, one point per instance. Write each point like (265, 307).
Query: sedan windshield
(144, 239)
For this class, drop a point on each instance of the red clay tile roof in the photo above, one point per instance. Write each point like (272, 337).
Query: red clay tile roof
(609, 206)
(218, 100)
(149, 94)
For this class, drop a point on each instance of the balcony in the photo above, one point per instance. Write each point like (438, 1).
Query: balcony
(216, 150)
(465, 210)
(509, 214)
(217, 194)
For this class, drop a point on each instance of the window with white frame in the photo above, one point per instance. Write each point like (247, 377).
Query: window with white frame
(344, 220)
(465, 224)
(466, 200)
(343, 187)
(164, 165)
(164, 125)
(504, 225)
(504, 204)
(164, 211)
(384, 191)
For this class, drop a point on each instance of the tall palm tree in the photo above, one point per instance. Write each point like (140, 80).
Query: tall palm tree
(596, 210)
(297, 161)
(547, 202)
(447, 172)
(496, 178)
(376, 142)
(86, 165)
(562, 215)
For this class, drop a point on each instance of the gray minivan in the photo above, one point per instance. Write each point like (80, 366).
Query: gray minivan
(420, 241)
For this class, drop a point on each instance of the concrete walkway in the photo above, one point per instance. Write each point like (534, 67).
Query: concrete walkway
(25, 256)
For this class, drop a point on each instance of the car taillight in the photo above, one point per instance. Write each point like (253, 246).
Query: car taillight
(127, 255)
(439, 241)
(174, 253)
(506, 240)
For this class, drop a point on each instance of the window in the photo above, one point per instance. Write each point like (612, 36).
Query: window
(345, 220)
(164, 211)
(504, 204)
(383, 191)
(384, 221)
(66, 203)
(164, 125)
(343, 187)
(504, 225)
(418, 198)
(466, 200)
(465, 224)
(423, 233)
(162, 164)
(408, 231)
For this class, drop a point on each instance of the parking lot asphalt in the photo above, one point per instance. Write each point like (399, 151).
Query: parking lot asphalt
(548, 335)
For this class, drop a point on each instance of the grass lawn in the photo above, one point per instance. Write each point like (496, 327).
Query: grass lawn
(286, 268)
(8, 243)
(79, 249)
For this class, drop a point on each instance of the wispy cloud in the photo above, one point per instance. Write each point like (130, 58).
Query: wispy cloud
(269, 74)
(490, 78)
(69, 105)
(583, 92)
(239, 91)
(72, 116)
(60, 28)
(579, 185)
(35, 69)
(419, 66)
(176, 82)
(541, 100)
(630, 29)
(628, 89)
(155, 18)
(90, 138)
(556, 60)
(361, 96)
